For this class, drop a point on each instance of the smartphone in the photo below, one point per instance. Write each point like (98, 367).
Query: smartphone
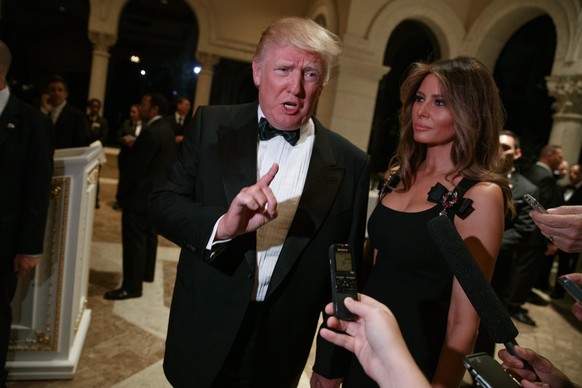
(487, 372)
(572, 288)
(534, 203)
(343, 279)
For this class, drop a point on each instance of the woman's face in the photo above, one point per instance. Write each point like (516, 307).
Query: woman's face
(432, 120)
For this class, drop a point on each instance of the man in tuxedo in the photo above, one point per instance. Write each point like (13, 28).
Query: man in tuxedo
(180, 118)
(126, 137)
(71, 128)
(26, 167)
(98, 125)
(150, 157)
(258, 194)
(511, 274)
(567, 261)
(540, 251)
(98, 130)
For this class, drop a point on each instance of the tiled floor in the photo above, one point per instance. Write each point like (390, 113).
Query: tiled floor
(125, 343)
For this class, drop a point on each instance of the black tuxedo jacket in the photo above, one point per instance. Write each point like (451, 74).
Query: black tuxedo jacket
(178, 129)
(518, 230)
(146, 165)
(71, 128)
(26, 167)
(576, 198)
(217, 160)
(550, 195)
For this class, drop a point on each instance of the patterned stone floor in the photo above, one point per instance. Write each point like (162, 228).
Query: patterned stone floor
(125, 343)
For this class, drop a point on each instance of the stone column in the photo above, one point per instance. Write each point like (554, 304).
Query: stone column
(204, 83)
(567, 126)
(100, 64)
(348, 101)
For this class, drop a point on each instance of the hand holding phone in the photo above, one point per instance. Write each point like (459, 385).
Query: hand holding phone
(343, 279)
(534, 203)
(573, 289)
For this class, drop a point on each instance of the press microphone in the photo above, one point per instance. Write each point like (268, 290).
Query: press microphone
(485, 301)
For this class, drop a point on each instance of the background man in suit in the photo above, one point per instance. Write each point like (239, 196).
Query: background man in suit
(126, 136)
(98, 130)
(70, 125)
(26, 163)
(540, 251)
(255, 252)
(572, 196)
(150, 157)
(180, 118)
(509, 271)
(98, 126)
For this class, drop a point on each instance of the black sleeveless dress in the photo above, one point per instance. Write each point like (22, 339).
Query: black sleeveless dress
(412, 278)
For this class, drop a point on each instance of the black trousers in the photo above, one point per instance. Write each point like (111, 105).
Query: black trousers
(8, 282)
(140, 243)
(527, 266)
(237, 370)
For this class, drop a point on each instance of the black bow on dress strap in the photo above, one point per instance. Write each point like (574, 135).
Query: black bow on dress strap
(451, 200)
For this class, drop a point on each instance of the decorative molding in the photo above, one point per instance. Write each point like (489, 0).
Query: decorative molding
(43, 337)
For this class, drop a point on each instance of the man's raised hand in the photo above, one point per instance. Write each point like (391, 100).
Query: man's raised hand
(252, 208)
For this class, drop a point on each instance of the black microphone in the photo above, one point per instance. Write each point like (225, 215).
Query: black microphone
(493, 314)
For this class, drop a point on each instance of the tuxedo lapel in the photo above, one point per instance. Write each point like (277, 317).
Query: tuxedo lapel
(238, 157)
(323, 181)
(237, 149)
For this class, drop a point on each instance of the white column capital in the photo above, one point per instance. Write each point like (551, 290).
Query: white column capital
(567, 90)
(363, 69)
(207, 60)
(101, 40)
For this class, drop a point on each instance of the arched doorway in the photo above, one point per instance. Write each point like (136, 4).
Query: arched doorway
(155, 52)
(411, 41)
(520, 73)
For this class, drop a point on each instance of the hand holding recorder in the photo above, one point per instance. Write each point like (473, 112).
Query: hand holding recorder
(375, 338)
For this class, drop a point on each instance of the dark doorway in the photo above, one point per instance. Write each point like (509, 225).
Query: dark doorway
(47, 38)
(520, 75)
(164, 36)
(411, 41)
(232, 83)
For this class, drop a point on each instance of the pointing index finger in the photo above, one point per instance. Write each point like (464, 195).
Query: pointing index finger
(266, 179)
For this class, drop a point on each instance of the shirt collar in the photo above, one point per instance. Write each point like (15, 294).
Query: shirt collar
(153, 119)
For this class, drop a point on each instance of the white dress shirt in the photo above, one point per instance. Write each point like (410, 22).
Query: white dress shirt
(287, 186)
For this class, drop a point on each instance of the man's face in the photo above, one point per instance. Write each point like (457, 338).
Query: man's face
(183, 107)
(290, 82)
(509, 152)
(94, 107)
(574, 174)
(134, 113)
(555, 159)
(57, 93)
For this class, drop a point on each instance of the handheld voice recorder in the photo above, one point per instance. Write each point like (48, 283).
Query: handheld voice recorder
(343, 279)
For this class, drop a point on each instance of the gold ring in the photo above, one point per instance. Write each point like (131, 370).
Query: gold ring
(552, 238)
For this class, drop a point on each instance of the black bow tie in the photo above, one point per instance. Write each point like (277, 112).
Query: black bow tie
(266, 132)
